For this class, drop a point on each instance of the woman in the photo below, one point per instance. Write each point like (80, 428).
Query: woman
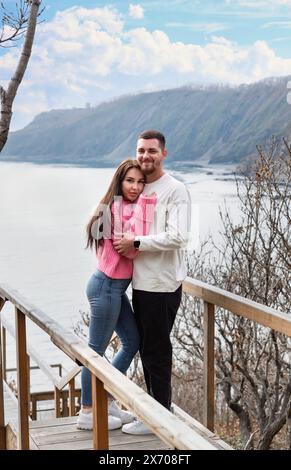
(122, 209)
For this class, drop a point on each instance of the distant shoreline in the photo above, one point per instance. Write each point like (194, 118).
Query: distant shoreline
(174, 165)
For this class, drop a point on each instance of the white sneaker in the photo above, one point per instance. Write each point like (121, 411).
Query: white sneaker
(116, 412)
(85, 421)
(137, 427)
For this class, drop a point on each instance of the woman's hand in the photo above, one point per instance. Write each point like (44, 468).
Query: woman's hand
(150, 195)
(125, 244)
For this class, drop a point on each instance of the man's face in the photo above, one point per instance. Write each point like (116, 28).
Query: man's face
(150, 155)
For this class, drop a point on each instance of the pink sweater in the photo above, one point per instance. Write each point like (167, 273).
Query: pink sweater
(126, 217)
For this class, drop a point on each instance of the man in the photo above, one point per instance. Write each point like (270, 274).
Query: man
(159, 269)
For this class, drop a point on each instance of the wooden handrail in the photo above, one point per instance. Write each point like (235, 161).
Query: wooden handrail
(47, 369)
(43, 365)
(58, 382)
(162, 422)
(216, 297)
(105, 377)
(246, 308)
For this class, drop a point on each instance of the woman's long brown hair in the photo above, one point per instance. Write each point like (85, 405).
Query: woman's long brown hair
(115, 189)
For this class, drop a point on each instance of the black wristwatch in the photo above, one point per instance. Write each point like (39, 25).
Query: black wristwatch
(136, 244)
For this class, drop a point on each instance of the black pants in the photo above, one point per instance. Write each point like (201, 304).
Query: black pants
(155, 314)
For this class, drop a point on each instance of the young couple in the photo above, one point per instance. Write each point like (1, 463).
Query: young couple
(148, 214)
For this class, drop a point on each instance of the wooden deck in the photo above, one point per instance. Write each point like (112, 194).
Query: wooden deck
(62, 434)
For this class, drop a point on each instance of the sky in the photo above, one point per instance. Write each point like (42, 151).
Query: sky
(86, 52)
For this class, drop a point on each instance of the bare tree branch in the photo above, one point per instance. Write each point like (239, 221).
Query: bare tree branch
(253, 260)
(7, 96)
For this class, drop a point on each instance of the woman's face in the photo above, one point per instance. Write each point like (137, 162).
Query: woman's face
(132, 184)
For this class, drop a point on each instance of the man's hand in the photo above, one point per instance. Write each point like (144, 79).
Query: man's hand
(125, 244)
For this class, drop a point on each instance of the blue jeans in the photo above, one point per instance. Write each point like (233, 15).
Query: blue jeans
(110, 311)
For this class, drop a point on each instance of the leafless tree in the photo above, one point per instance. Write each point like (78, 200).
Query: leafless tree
(14, 25)
(253, 362)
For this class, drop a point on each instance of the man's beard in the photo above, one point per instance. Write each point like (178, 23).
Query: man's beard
(149, 170)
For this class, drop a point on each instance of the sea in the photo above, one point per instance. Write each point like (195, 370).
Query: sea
(43, 213)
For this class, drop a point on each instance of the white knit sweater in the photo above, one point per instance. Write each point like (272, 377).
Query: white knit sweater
(160, 265)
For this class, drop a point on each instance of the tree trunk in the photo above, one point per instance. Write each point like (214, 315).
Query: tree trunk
(7, 96)
(271, 431)
(244, 421)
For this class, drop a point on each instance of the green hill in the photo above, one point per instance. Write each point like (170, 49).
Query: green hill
(216, 124)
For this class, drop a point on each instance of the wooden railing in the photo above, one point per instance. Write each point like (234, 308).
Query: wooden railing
(106, 378)
(215, 297)
(58, 381)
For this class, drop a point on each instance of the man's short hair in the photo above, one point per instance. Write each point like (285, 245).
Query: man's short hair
(152, 134)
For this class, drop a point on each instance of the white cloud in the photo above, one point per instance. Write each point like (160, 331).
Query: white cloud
(256, 4)
(279, 24)
(85, 55)
(204, 27)
(136, 11)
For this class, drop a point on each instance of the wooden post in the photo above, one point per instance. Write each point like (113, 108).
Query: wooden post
(4, 359)
(28, 385)
(72, 394)
(209, 371)
(100, 415)
(2, 416)
(57, 402)
(22, 381)
(33, 408)
(65, 408)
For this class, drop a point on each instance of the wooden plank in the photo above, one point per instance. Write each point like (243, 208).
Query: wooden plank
(79, 445)
(28, 383)
(69, 432)
(43, 365)
(77, 435)
(72, 405)
(68, 377)
(33, 407)
(53, 422)
(100, 415)
(62, 437)
(63, 434)
(65, 408)
(4, 356)
(22, 381)
(57, 395)
(208, 366)
(246, 308)
(153, 445)
(86, 444)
